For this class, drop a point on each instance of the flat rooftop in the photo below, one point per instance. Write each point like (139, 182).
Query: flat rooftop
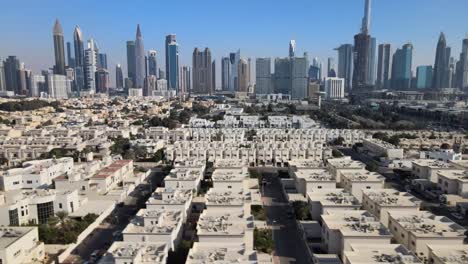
(346, 163)
(306, 163)
(355, 223)
(154, 222)
(231, 163)
(383, 253)
(362, 176)
(225, 197)
(390, 197)
(231, 174)
(333, 197)
(450, 254)
(432, 163)
(202, 253)
(458, 175)
(9, 235)
(170, 196)
(426, 224)
(314, 175)
(189, 163)
(146, 253)
(223, 222)
(184, 174)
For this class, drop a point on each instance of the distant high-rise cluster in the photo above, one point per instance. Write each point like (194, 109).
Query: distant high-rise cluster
(81, 68)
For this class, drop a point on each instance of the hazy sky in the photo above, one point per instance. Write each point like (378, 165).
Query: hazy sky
(260, 28)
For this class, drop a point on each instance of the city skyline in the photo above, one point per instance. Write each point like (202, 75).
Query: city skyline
(41, 56)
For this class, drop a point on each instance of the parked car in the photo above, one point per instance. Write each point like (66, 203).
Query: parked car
(457, 216)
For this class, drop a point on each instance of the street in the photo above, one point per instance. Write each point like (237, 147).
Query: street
(289, 245)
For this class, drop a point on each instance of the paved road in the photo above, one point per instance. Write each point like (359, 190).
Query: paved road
(289, 246)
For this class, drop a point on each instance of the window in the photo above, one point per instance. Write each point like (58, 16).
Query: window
(60, 205)
(29, 182)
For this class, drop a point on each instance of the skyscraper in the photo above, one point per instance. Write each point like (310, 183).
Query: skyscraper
(59, 49)
(299, 77)
(361, 61)
(185, 78)
(131, 60)
(70, 59)
(424, 77)
(91, 54)
(173, 66)
(372, 55)
(118, 77)
(225, 73)
(58, 86)
(362, 48)
(441, 65)
(102, 81)
(213, 75)
(330, 66)
(315, 70)
(202, 72)
(169, 39)
(234, 58)
(263, 76)
(243, 76)
(11, 66)
(383, 65)
(401, 67)
(292, 48)
(140, 71)
(345, 64)
(282, 76)
(2, 77)
(102, 61)
(366, 21)
(152, 63)
(79, 59)
(463, 62)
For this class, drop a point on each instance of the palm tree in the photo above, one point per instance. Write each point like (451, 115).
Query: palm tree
(62, 217)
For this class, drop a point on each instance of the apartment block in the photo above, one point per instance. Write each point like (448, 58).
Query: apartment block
(330, 200)
(356, 181)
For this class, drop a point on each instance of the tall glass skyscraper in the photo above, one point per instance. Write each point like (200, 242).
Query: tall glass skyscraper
(173, 66)
(263, 76)
(79, 59)
(140, 69)
(441, 65)
(225, 73)
(384, 65)
(401, 67)
(118, 77)
(424, 77)
(345, 64)
(152, 63)
(131, 62)
(59, 49)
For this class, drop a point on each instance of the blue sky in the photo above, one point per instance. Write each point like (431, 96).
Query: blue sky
(258, 27)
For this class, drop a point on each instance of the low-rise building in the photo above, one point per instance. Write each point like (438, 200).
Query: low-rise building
(184, 178)
(20, 245)
(230, 178)
(35, 174)
(453, 182)
(171, 199)
(227, 227)
(428, 168)
(343, 229)
(418, 229)
(308, 180)
(345, 163)
(136, 253)
(109, 177)
(324, 201)
(381, 202)
(382, 148)
(448, 254)
(155, 226)
(356, 181)
(380, 253)
(211, 253)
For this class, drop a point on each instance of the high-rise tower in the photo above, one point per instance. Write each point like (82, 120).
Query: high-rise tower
(140, 71)
(59, 49)
(441, 65)
(366, 21)
(384, 63)
(202, 72)
(79, 59)
(292, 48)
(345, 64)
(152, 63)
(169, 39)
(131, 62)
(118, 77)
